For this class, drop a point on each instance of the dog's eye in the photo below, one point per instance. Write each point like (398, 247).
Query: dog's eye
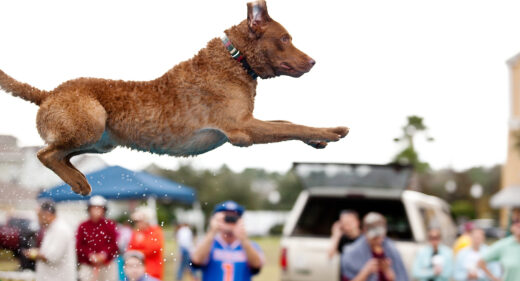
(286, 39)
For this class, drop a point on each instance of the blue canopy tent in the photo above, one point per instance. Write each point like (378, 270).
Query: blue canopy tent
(117, 183)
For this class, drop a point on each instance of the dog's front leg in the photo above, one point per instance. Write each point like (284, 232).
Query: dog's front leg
(255, 131)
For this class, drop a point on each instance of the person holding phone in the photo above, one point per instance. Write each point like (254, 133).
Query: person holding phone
(373, 256)
(225, 252)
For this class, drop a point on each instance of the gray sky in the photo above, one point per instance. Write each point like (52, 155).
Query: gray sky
(377, 62)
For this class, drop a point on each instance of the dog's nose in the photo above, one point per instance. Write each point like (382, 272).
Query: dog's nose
(312, 62)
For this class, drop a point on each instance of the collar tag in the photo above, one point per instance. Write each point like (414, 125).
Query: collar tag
(236, 55)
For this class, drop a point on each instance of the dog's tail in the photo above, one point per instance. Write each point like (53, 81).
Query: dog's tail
(22, 90)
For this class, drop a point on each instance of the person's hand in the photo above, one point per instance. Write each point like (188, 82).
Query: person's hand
(216, 223)
(472, 275)
(371, 266)
(437, 270)
(31, 253)
(97, 258)
(240, 230)
(385, 264)
(386, 267)
(336, 229)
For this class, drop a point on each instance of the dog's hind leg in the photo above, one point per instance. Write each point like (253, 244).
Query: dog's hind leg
(70, 124)
(58, 161)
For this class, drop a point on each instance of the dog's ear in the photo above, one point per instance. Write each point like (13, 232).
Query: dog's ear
(257, 17)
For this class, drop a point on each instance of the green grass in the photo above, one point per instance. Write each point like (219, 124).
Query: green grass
(270, 272)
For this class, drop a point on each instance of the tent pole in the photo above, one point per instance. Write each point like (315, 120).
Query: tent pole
(199, 224)
(152, 204)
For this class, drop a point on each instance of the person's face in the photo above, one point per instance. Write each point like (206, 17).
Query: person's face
(45, 218)
(228, 227)
(42, 217)
(140, 224)
(434, 237)
(376, 235)
(477, 237)
(134, 269)
(349, 222)
(96, 212)
(515, 229)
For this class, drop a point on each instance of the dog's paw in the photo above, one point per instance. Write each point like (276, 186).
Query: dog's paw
(317, 144)
(82, 188)
(341, 131)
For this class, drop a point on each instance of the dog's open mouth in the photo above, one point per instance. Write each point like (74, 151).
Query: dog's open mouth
(286, 66)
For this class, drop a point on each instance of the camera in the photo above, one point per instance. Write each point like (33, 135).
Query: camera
(231, 218)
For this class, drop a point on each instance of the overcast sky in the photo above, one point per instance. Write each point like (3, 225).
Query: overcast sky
(377, 62)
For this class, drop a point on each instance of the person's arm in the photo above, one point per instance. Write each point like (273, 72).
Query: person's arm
(254, 258)
(334, 239)
(368, 269)
(482, 265)
(112, 237)
(388, 271)
(199, 256)
(395, 262)
(55, 246)
(447, 268)
(418, 271)
(82, 248)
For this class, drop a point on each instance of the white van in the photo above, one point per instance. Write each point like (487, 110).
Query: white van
(331, 188)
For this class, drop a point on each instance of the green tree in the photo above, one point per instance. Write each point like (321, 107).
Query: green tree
(409, 155)
(223, 184)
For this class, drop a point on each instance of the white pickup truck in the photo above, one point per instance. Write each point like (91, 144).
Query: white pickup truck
(331, 188)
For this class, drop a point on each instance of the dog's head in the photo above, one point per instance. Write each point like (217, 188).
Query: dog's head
(270, 46)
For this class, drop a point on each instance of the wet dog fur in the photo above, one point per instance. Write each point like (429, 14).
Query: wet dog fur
(195, 107)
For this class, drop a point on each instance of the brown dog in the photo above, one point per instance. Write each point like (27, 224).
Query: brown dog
(195, 107)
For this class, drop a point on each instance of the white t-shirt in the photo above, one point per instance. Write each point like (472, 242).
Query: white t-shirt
(185, 238)
(58, 247)
(471, 263)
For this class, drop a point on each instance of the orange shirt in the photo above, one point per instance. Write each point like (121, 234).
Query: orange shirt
(150, 242)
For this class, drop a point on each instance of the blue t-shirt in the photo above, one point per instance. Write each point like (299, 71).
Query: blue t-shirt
(228, 262)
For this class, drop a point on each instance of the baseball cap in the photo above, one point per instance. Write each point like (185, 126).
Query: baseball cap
(48, 206)
(374, 225)
(229, 206)
(97, 200)
(376, 231)
(134, 254)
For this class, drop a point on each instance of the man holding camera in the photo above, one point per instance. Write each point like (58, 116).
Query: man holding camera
(226, 253)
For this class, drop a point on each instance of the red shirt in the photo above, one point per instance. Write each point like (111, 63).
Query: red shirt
(96, 237)
(381, 257)
(150, 242)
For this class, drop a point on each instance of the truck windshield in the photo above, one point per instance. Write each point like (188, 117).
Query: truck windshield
(313, 175)
(321, 212)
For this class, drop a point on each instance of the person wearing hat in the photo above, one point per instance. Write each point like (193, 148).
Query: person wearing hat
(134, 267)
(55, 259)
(373, 256)
(96, 244)
(148, 238)
(226, 253)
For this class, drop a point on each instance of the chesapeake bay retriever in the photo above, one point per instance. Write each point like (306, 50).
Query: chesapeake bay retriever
(195, 107)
